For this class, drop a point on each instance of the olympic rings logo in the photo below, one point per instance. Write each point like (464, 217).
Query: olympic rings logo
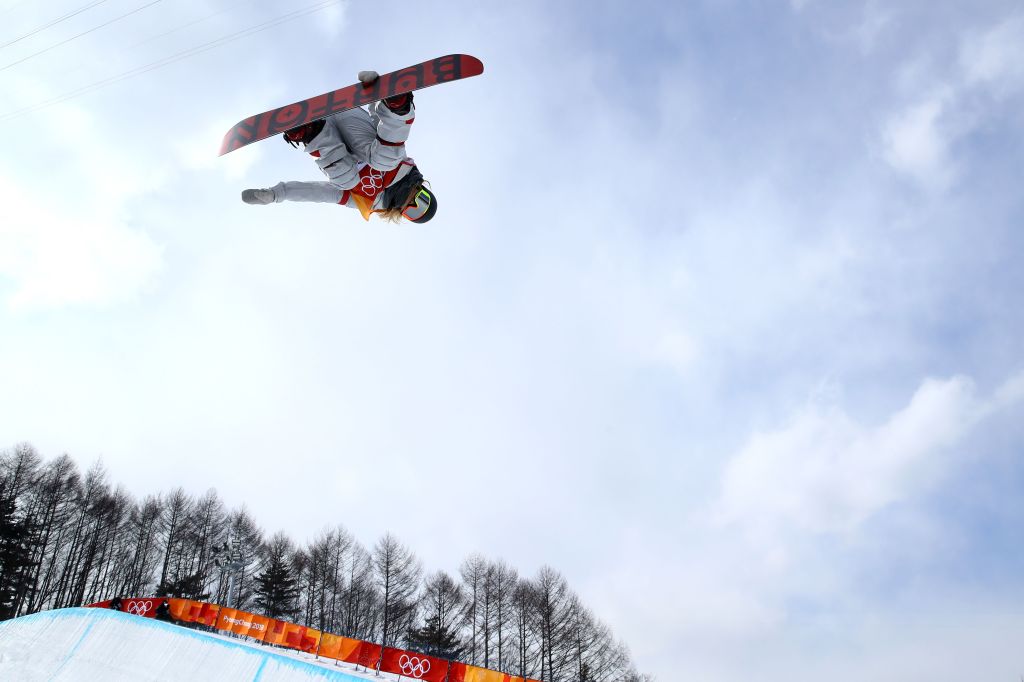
(371, 183)
(413, 666)
(139, 608)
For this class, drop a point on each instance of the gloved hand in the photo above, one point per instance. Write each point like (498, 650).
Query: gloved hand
(400, 104)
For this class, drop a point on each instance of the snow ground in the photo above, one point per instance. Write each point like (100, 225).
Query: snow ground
(97, 644)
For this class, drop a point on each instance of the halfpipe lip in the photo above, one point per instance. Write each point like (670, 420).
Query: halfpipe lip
(93, 616)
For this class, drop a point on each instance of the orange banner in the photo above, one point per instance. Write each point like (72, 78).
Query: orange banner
(310, 641)
(300, 637)
(339, 648)
(185, 610)
(226, 619)
(208, 614)
(258, 627)
(367, 656)
(463, 672)
(292, 635)
(240, 622)
(275, 632)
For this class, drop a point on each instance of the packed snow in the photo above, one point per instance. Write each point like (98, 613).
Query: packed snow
(98, 644)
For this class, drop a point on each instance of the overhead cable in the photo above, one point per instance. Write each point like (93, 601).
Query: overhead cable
(94, 28)
(191, 52)
(52, 23)
(187, 25)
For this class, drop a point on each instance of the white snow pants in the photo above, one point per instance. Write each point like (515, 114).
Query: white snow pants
(360, 133)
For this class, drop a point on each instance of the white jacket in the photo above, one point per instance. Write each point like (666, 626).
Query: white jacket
(353, 139)
(362, 154)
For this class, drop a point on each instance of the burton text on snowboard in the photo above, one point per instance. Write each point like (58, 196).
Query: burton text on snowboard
(451, 67)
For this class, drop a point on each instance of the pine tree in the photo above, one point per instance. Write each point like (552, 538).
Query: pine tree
(18, 473)
(435, 639)
(277, 588)
(15, 557)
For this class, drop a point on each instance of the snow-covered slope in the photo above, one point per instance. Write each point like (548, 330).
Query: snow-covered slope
(96, 644)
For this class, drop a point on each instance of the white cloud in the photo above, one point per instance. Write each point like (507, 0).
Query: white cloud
(916, 143)
(69, 236)
(995, 58)
(55, 258)
(825, 472)
(918, 139)
(772, 574)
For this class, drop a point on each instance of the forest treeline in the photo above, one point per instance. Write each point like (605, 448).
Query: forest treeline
(68, 539)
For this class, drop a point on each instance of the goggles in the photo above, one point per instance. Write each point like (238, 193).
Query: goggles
(419, 207)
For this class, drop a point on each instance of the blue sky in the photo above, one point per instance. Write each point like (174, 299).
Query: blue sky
(723, 304)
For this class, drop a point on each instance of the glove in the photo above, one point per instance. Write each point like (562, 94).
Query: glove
(399, 104)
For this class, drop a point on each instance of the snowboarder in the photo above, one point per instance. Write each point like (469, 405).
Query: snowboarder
(363, 156)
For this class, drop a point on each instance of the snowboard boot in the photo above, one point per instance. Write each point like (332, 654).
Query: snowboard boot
(258, 196)
(399, 104)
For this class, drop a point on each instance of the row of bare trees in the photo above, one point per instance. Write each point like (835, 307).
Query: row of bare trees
(68, 539)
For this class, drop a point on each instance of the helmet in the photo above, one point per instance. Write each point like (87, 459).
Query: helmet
(423, 204)
(422, 207)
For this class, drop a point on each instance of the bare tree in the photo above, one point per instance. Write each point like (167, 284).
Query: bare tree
(474, 576)
(206, 530)
(398, 574)
(177, 508)
(524, 606)
(360, 601)
(66, 539)
(339, 550)
(52, 509)
(443, 606)
(552, 621)
(318, 581)
(75, 565)
(324, 578)
(143, 528)
(501, 582)
(248, 542)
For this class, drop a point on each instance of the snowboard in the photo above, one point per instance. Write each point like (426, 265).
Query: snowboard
(451, 67)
